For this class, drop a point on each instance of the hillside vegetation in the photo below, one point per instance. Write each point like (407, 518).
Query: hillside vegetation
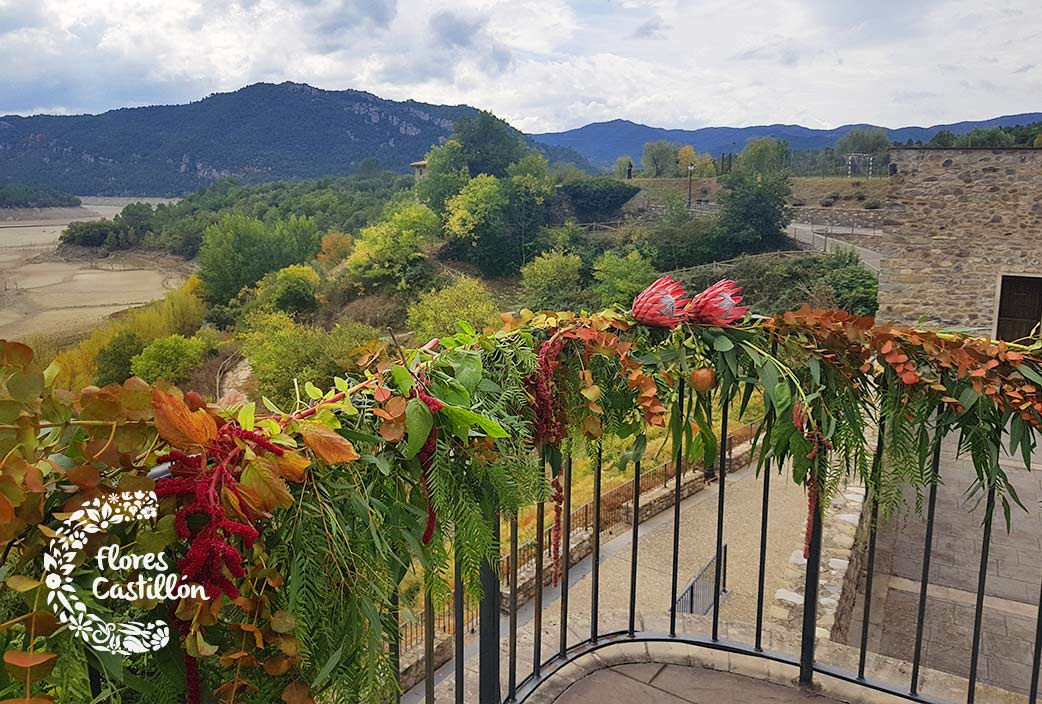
(21, 195)
(262, 132)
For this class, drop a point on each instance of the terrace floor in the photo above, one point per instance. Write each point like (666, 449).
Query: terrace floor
(676, 684)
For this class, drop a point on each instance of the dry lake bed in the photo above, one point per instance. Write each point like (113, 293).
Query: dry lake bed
(43, 294)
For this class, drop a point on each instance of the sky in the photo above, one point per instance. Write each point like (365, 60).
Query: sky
(544, 65)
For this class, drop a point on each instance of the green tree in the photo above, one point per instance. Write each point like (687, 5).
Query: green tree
(238, 250)
(113, 360)
(489, 144)
(753, 215)
(393, 252)
(436, 312)
(446, 174)
(476, 219)
(622, 166)
(169, 359)
(620, 278)
(660, 158)
(553, 281)
(598, 196)
(678, 239)
(291, 289)
(527, 191)
(864, 141)
(943, 138)
(764, 155)
(985, 137)
(370, 167)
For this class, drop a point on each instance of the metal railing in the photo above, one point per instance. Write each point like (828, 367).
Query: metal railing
(697, 597)
(519, 686)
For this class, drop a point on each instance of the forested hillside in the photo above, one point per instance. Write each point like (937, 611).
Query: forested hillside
(21, 195)
(262, 132)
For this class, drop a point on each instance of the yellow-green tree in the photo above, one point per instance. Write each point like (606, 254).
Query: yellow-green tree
(703, 163)
(436, 313)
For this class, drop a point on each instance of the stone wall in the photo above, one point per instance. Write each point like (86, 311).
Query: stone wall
(961, 218)
(842, 549)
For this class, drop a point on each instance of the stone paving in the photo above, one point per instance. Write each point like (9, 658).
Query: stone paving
(676, 684)
(1014, 572)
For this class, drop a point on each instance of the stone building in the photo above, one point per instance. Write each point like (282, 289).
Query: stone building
(963, 245)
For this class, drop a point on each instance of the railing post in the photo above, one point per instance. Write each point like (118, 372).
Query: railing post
(488, 624)
(810, 599)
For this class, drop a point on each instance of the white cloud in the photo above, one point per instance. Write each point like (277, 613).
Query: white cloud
(543, 64)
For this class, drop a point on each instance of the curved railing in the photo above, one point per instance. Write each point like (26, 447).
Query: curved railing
(515, 686)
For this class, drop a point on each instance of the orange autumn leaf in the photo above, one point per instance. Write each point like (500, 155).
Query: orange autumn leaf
(29, 667)
(297, 693)
(292, 466)
(182, 428)
(329, 446)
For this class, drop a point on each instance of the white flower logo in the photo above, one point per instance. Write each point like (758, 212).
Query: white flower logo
(59, 562)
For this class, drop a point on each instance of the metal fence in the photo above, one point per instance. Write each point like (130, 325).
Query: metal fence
(697, 597)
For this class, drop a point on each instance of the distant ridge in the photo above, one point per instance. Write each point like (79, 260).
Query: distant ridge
(261, 132)
(603, 142)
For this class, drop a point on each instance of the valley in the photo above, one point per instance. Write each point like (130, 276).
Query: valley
(57, 295)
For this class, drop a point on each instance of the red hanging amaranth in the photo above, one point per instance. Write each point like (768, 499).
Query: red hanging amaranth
(549, 415)
(212, 555)
(812, 506)
(426, 457)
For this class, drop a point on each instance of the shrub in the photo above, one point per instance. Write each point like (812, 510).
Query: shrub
(291, 289)
(598, 196)
(620, 278)
(280, 350)
(113, 360)
(465, 299)
(169, 359)
(827, 202)
(873, 204)
(179, 312)
(393, 252)
(553, 281)
(854, 289)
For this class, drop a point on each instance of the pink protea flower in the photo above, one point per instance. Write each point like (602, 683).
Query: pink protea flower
(661, 304)
(717, 305)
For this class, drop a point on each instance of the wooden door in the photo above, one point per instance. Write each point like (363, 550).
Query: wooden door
(1020, 307)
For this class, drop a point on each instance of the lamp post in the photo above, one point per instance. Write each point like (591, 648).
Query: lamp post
(690, 173)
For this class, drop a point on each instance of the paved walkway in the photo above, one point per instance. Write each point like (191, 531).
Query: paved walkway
(814, 236)
(697, 546)
(1014, 572)
(675, 684)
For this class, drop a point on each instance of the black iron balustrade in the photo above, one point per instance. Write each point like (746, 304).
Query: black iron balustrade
(697, 597)
(519, 688)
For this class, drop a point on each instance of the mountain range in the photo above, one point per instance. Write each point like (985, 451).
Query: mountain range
(602, 142)
(292, 130)
(258, 133)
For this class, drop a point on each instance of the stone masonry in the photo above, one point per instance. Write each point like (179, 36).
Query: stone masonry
(959, 219)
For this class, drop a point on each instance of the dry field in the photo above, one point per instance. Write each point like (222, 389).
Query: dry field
(44, 295)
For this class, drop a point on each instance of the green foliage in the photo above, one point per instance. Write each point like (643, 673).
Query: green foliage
(679, 239)
(281, 350)
(393, 252)
(114, 359)
(291, 290)
(436, 313)
(335, 204)
(776, 284)
(620, 278)
(476, 219)
(660, 158)
(169, 359)
(489, 145)
(753, 214)
(943, 138)
(764, 156)
(865, 141)
(238, 250)
(623, 165)
(985, 137)
(553, 281)
(854, 288)
(446, 174)
(22, 195)
(598, 197)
